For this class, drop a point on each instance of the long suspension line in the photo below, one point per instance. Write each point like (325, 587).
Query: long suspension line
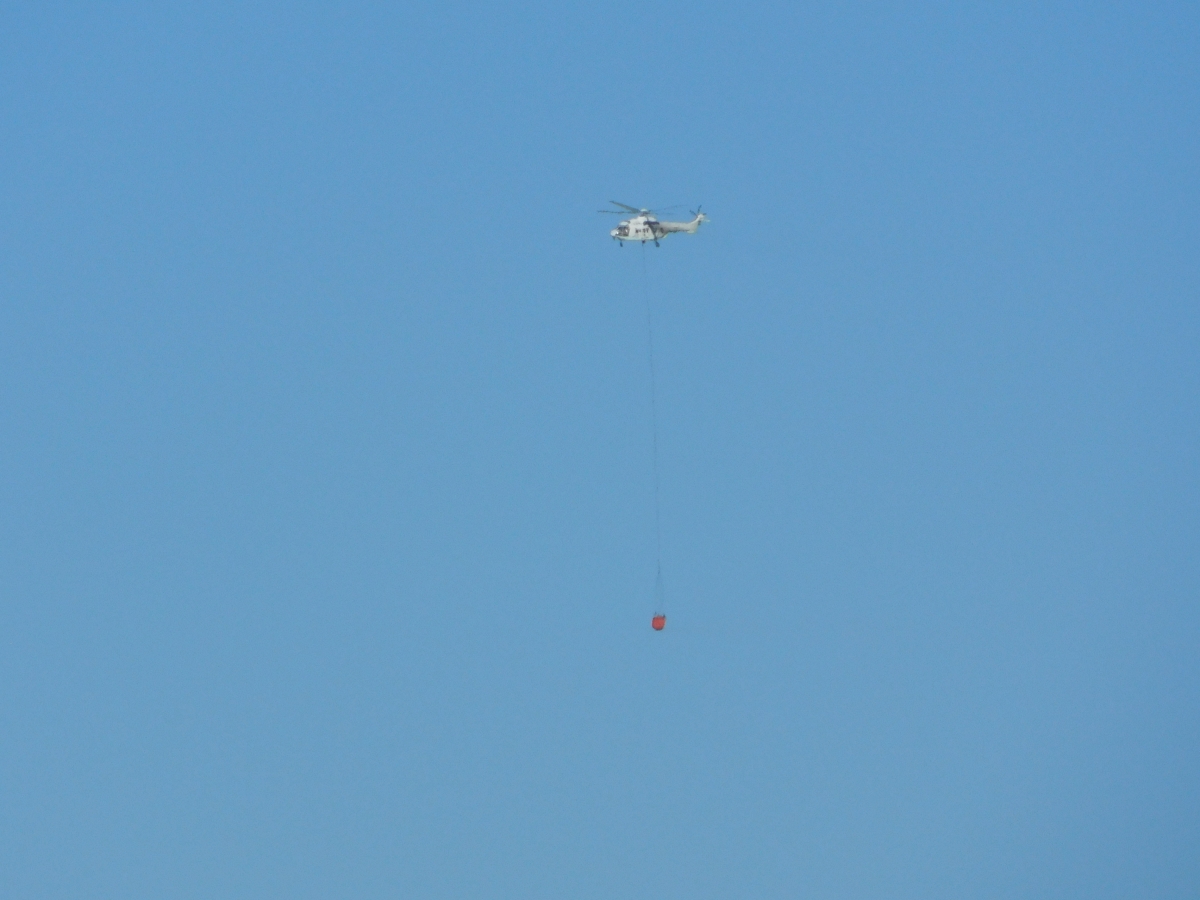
(659, 594)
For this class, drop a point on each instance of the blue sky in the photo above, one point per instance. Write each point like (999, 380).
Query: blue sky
(328, 545)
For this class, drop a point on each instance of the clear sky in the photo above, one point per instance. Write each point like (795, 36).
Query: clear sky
(327, 552)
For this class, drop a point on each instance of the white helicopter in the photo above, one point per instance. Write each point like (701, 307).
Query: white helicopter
(644, 225)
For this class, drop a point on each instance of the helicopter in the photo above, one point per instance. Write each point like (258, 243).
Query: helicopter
(644, 225)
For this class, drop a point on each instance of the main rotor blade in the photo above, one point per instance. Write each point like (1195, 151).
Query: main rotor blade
(632, 209)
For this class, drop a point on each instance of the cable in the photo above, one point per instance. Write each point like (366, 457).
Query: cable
(659, 593)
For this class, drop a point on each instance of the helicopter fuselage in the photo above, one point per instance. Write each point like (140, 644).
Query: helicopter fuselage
(639, 228)
(647, 228)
